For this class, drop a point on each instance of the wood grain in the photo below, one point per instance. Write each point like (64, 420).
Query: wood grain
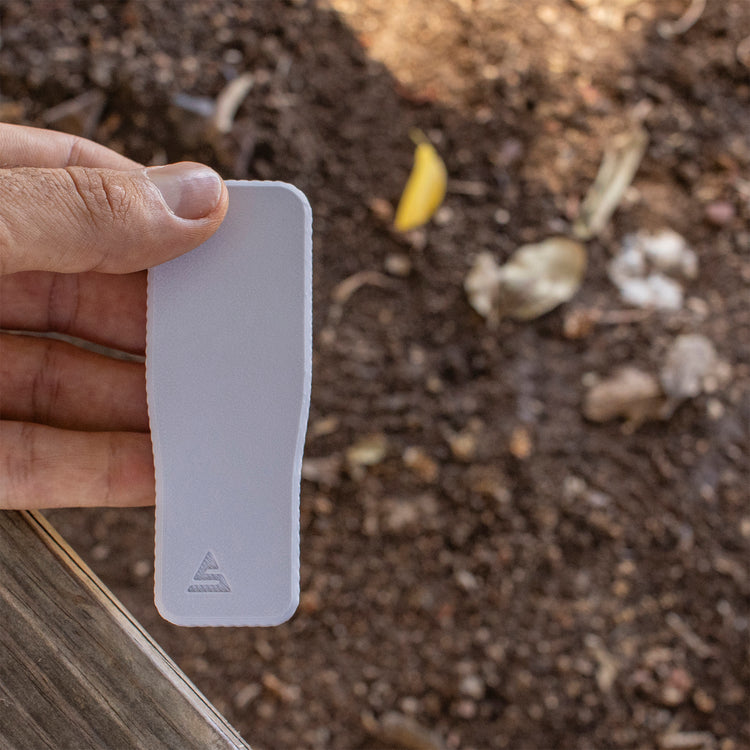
(77, 672)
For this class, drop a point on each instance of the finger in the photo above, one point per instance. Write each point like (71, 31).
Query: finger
(104, 308)
(23, 146)
(55, 383)
(45, 467)
(82, 219)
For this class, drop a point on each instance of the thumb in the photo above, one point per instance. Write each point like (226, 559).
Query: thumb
(78, 219)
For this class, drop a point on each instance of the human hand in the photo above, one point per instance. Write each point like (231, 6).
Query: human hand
(78, 226)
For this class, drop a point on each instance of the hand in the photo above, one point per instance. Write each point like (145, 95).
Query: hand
(78, 226)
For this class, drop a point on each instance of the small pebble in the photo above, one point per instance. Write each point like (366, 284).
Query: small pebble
(141, 568)
(719, 213)
(520, 445)
(246, 695)
(703, 701)
(466, 709)
(472, 686)
(463, 446)
(398, 264)
(502, 217)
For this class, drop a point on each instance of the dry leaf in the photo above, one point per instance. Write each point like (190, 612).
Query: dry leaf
(534, 281)
(482, 284)
(619, 165)
(540, 277)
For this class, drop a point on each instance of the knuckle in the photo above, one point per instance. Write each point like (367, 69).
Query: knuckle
(11, 194)
(46, 382)
(104, 198)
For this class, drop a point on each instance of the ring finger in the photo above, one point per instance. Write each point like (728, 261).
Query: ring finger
(103, 308)
(58, 384)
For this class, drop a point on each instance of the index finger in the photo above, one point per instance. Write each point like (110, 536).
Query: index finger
(23, 146)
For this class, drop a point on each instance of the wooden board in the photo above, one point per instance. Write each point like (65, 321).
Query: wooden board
(77, 672)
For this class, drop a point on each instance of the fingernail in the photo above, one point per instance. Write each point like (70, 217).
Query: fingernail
(190, 190)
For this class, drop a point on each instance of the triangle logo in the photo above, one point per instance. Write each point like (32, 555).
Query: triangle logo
(208, 578)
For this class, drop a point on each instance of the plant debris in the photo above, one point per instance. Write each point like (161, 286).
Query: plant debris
(425, 188)
(399, 731)
(619, 165)
(630, 393)
(229, 101)
(670, 29)
(368, 451)
(535, 280)
(649, 269)
(691, 367)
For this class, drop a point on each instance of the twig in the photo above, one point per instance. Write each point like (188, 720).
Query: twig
(229, 100)
(670, 29)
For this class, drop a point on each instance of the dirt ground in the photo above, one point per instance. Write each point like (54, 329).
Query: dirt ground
(501, 571)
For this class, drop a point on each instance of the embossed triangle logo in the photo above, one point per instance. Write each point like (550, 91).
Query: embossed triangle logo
(208, 578)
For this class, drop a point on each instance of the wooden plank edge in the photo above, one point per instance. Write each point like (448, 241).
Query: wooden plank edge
(70, 559)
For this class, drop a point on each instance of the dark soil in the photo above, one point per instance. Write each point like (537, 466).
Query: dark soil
(543, 581)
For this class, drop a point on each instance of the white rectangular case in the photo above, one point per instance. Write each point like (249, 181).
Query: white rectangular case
(228, 369)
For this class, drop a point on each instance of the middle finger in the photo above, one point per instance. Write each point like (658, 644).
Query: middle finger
(103, 308)
(58, 384)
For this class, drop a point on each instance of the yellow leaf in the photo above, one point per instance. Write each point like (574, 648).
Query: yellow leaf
(424, 191)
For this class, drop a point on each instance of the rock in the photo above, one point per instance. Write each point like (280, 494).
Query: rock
(463, 446)
(689, 361)
(381, 209)
(669, 252)
(398, 264)
(676, 688)
(703, 701)
(521, 445)
(472, 686)
(580, 323)
(246, 695)
(420, 463)
(368, 451)
(629, 393)
(324, 471)
(467, 580)
(401, 515)
(284, 692)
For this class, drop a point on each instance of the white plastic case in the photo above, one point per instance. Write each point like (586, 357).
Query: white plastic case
(228, 370)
